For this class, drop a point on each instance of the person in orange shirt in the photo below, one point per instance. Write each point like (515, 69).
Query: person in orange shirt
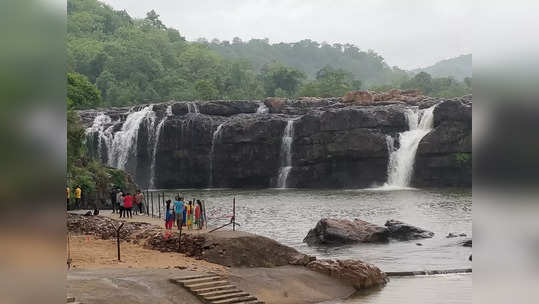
(68, 195)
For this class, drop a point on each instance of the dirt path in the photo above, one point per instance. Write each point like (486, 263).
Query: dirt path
(89, 252)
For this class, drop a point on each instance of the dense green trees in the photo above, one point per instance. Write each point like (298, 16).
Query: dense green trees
(94, 179)
(133, 61)
(438, 87)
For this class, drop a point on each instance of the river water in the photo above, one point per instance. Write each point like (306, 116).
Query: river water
(286, 215)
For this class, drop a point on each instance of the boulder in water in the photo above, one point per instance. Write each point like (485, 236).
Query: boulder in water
(339, 231)
(404, 232)
(466, 243)
(360, 274)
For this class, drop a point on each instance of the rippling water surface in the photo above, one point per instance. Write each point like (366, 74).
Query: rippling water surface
(287, 215)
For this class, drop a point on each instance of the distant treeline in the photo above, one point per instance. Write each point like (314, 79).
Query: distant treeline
(133, 61)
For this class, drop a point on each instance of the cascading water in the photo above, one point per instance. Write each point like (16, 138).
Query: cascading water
(286, 154)
(401, 160)
(98, 129)
(262, 109)
(216, 136)
(192, 108)
(156, 143)
(124, 141)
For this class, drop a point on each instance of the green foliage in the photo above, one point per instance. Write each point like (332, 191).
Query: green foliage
(133, 61)
(75, 139)
(330, 82)
(81, 94)
(281, 80)
(437, 87)
(463, 158)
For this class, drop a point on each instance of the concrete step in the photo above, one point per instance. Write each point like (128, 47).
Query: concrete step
(196, 276)
(234, 300)
(209, 289)
(206, 284)
(219, 292)
(199, 280)
(226, 296)
(251, 302)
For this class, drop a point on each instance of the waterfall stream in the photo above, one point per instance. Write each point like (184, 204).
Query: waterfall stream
(401, 160)
(156, 143)
(192, 108)
(262, 108)
(216, 136)
(286, 154)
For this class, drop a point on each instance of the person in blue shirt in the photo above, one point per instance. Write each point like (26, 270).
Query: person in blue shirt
(179, 209)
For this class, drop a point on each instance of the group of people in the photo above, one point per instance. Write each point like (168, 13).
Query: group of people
(188, 215)
(78, 195)
(126, 203)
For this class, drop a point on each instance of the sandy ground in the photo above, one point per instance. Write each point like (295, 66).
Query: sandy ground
(143, 275)
(89, 252)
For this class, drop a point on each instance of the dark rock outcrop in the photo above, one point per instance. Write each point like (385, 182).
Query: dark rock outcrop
(404, 232)
(339, 231)
(335, 144)
(444, 156)
(466, 243)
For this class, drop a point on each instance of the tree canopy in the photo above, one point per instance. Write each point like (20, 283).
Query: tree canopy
(133, 61)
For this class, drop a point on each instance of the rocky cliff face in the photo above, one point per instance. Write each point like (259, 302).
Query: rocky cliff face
(240, 143)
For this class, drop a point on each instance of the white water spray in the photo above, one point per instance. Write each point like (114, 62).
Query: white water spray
(192, 107)
(124, 141)
(156, 143)
(286, 154)
(216, 136)
(98, 128)
(262, 108)
(401, 161)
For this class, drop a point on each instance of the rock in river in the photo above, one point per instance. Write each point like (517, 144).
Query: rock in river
(340, 231)
(404, 232)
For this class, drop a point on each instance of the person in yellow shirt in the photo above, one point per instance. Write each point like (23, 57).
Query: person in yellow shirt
(78, 195)
(68, 195)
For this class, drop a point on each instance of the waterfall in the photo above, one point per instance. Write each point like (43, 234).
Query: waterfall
(401, 160)
(262, 108)
(98, 129)
(156, 143)
(216, 136)
(124, 141)
(192, 108)
(286, 154)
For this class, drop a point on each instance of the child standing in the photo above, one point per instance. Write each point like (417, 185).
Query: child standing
(189, 214)
(169, 216)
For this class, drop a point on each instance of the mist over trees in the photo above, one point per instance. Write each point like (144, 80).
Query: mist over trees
(132, 61)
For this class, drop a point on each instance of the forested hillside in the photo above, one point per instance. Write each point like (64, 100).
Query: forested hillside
(311, 56)
(133, 61)
(459, 68)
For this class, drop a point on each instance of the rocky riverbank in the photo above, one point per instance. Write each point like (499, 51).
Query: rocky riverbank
(333, 142)
(228, 248)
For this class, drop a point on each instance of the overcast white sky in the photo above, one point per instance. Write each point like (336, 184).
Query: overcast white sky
(409, 34)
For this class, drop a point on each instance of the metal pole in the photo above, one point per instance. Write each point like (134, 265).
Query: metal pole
(234, 214)
(151, 197)
(118, 239)
(180, 238)
(159, 203)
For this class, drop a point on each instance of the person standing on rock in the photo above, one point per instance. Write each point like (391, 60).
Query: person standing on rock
(68, 195)
(197, 215)
(169, 216)
(128, 205)
(113, 199)
(78, 195)
(179, 209)
(139, 200)
(120, 200)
